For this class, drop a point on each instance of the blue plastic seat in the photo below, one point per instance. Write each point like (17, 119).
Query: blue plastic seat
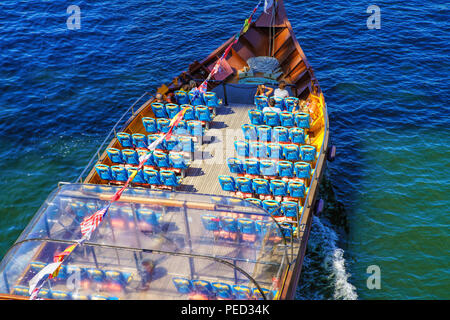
(251, 166)
(104, 171)
(211, 99)
(210, 222)
(222, 290)
(37, 266)
(139, 140)
(228, 224)
(122, 278)
(227, 183)
(130, 156)
(202, 113)
(280, 134)
(241, 148)
(150, 125)
(181, 97)
(159, 110)
(285, 169)
(168, 178)
(235, 165)
(261, 102)
(187, 144)
(274, 151)
(152, 138)
(244, 185)
(271, 118)
(257, 149)
(151, 176)
(195, 128)
(270, 206)
(256, 117)
(95, 274)
(249, 131)
(125, 139)
(255, 201)
(20, 291)
(189, 114)
(264, 226)
(278, 187)
(261, 186)
(115, 155)
(196, 99)
(173, 144)
(302, 170)
(297, 135)
(139, 177)
(290, 103)
(163, 124)
(246, 225)
(308, 153)
(177, 161)
(296, 189)
(181, 128)
(161, 159)
(147, 216)
(242, 292)
(119, 173)
(289, 209)
(258, 296)
(302, 120)
(264, 133)
(203, 287)
(287, 119)
(172, 110)
(291, 152)
(183, 285)
(60, 295)
(267, 168)
(279, 103)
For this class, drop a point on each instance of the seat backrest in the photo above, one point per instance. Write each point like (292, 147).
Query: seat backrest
(163, 124)
(261, 186)
(223, 290)
(244, 184)
(189, 114)
(285, 169)
(242, 292)
(159, 110)
(119, 173)
(287, 119)
(210, 222)
(246, 225)
(168, 178)
(249, 131)
(251, 166)
(257, 149)
(255, 201)
(149, 124)
(181, 97)
(274, 151)
(211, 99)
(202, 113)
(264, 133)
(308, 153)
(289, 209)
(302, 170)
(103, 171)
(153, 137)
(177, 161)
(291, 152)
(270, 206)
(255, 116)
(290, 103)
(115, 155)
(235, 165)
(130, 156)
(227, 183)
(125, 139)
(267, 168)
(261, 102)
(172, 109)
(241, 148)
(271, 118)
(278, 187)
(161, 159)
(280, 134)
(139, 140)
(296, 189)
(228, 224)
(302, 120)
(151, 176)
(182, 285)
(297, 135)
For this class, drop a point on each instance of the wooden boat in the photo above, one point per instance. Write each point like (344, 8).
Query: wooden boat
(268, 265)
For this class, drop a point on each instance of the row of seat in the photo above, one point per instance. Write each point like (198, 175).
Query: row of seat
(157, 159)
(287, 103)
(221, 290)
(183, 142)
(184, 127)
(281, 169)
(258, 186)
(276, 151)
(170, 110)
(209, 99)
(93, 274)
(285, 118)
(146, 176)
(281, 134)
(60, 295)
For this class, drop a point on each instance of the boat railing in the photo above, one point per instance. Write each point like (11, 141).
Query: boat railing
(315, 176)
(118, 126)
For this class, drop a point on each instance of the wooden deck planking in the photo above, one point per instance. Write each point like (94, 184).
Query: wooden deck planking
(210, 158)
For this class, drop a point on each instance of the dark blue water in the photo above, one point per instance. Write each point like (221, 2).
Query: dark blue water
(387, 92)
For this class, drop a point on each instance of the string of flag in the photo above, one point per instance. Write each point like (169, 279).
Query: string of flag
(91, 223)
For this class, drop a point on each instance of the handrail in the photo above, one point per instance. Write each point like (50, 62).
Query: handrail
(113, 131)
(314, 177)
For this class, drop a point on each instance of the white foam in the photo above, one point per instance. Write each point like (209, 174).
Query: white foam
(324, 274)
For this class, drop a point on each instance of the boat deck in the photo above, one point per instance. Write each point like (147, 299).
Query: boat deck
(210, 158)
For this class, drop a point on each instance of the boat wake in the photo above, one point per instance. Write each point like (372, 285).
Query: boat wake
(324, 275)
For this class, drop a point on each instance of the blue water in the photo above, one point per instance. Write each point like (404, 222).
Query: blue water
(387, 90)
